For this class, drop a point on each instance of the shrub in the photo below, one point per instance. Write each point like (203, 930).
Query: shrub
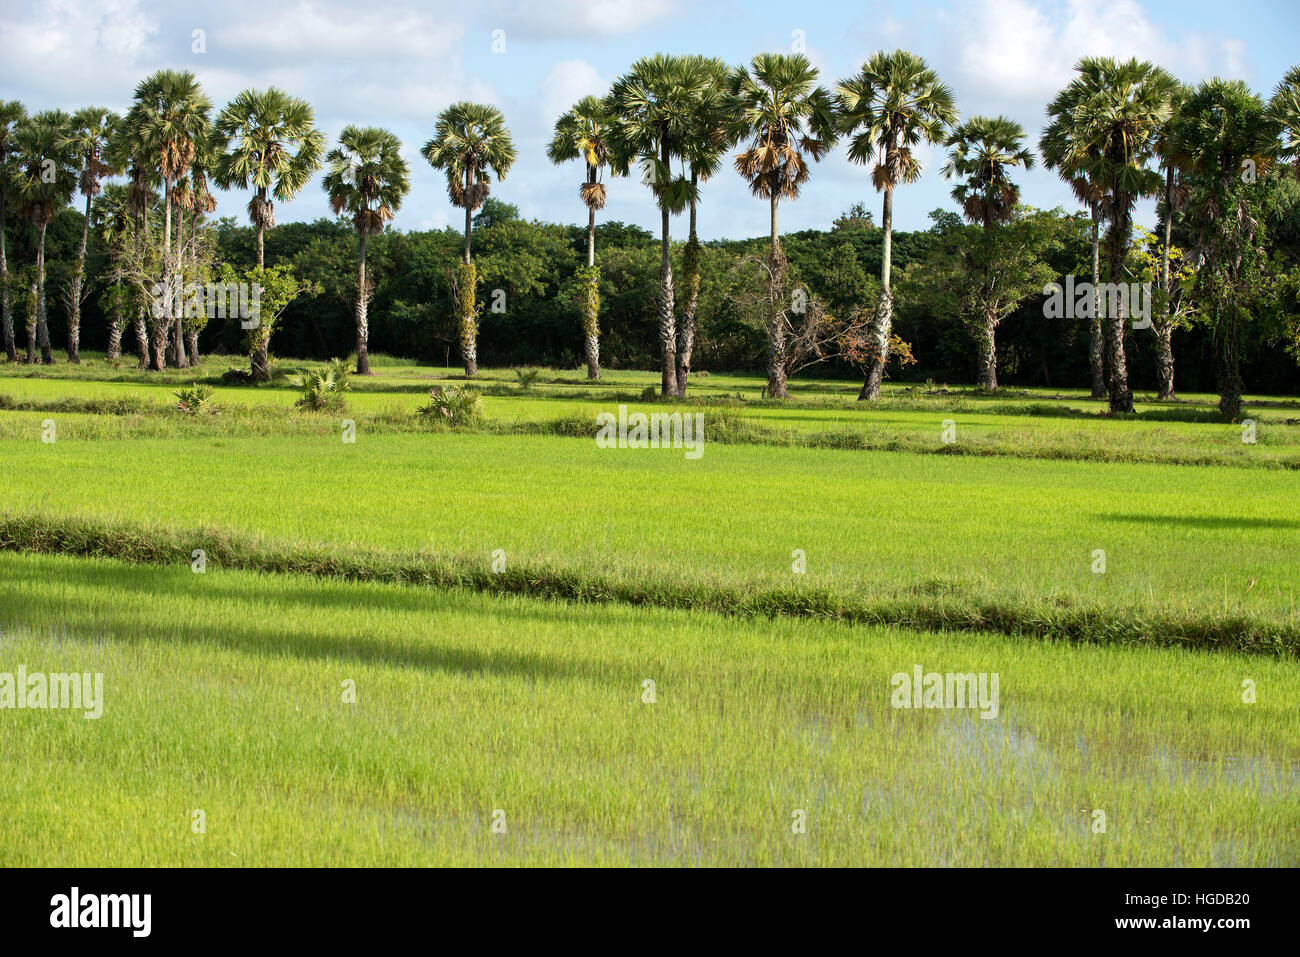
(527, 378)
(453, 406)
(194, 399)
(321, 390)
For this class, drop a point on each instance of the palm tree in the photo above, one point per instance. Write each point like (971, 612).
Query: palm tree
(194, 196)
(266, 139)
(12, 115)
(367, 179)
(1063, 152)
(583, 133)
(655, 124)
(1220, 126)
(1284, 109)
(713, 136)
(88, 137)
(470, 145)
(126, 152)
(788, 121)
(1175, 195)
(169, 120)
(982, 152)
(1111, 114)
(46, 179)
(894, 104)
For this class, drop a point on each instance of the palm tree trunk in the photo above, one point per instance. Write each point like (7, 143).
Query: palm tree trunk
(1165, 332)
(776, 386)
(686, 332)
(42, 325)
(591, 303)
(468, 300)
(1228, 334)
(667, 320)
(178, 325)
(1096, 340)
(261, 254)
(114, 352)
(140, 237)
(141, 338)
(882, 322)
(78, 280)
(1165, 362)
(363, 323)
(31, 325)
(1121, 398)
(162, 325)
(667, 316)
(6, 317)
(469, 222)
(192, 344)
(989, 353)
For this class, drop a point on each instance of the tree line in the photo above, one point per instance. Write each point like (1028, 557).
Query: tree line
(1223, 264)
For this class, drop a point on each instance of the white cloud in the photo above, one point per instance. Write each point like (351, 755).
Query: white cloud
(1022, 50)
(566, 83)
(575, 18)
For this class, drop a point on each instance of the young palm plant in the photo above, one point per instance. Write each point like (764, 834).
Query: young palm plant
(169, 121)
(583, 133)
(88, 138)
(655, 124)
(888, 109)
(46, 178)
(982, 152)
(470, 145)
(366, 179)
(268, 140)
(1113, 112)
(789, 123)
(12, 115)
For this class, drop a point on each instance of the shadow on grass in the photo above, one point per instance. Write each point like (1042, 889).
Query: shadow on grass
(86, 609)
(1202, 521)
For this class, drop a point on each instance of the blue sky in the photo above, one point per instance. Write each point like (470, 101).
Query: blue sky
(398, 64)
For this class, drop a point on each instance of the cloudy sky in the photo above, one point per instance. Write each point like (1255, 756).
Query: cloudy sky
(397, 64)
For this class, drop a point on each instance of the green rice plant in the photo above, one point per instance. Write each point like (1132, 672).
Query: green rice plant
(328, 723)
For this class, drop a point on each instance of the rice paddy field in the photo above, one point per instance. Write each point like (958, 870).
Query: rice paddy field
(360, 638)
